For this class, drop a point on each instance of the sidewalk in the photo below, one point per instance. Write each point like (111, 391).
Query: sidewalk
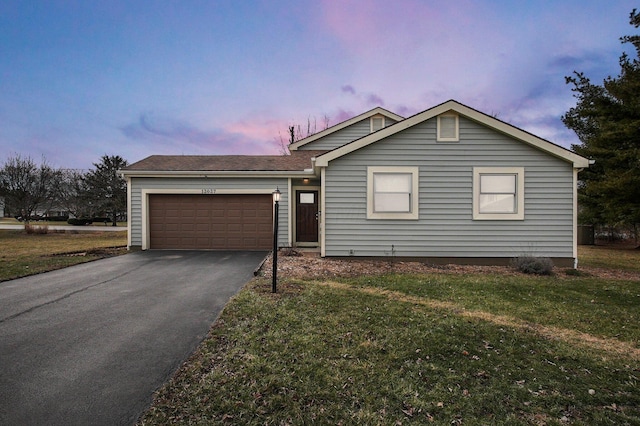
(99, 228)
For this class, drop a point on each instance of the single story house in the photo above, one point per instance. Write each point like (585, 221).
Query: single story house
(450, 184)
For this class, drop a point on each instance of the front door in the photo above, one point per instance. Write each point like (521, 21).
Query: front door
(307, 216)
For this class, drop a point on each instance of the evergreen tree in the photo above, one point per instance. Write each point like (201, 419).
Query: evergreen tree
(606, 119)
(106, 188)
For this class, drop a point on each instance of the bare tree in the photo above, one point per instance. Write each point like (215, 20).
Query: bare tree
(72, 193)
(295, 132)
(26, 186)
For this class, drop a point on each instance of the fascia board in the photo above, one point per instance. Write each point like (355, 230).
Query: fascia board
(500, 126)
(524, 136)
(342, 125)
(323, 159)
(218, 174)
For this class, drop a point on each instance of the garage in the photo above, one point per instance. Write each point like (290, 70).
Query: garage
(210, 222)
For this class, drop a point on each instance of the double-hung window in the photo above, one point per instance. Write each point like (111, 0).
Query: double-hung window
(392, 193)
(498, 193)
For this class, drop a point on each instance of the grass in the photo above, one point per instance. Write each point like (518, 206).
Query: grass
(13, 221)
(603, 308)
(27, 254)
(611, 257)
(418, 349)
(399, 349)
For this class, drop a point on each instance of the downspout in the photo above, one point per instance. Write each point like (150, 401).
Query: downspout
(129, 213)
(575, 218)
(323, 250)
(290, 216)
(576, 170)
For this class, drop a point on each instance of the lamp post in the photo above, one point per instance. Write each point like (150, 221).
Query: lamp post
(276, 201)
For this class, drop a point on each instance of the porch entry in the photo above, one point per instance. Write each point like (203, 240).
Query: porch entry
(306, 216)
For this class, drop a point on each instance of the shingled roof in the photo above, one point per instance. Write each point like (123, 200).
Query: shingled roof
(297, 161)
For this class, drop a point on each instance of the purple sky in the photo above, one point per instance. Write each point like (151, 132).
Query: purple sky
(80, 79)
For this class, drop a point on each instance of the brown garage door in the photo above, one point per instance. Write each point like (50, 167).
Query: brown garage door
(218, 221)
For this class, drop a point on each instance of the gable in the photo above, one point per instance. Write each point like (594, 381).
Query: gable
(444, 219)
(448, 107)
(347, 131)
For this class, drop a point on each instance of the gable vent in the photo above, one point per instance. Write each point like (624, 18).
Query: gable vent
(377, 123)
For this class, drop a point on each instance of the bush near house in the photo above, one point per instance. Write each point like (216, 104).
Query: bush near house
(533, 265)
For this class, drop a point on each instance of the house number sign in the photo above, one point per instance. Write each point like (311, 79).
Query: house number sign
(208, 191)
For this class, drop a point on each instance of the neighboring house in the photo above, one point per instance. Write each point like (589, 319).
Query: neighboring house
(449, 184)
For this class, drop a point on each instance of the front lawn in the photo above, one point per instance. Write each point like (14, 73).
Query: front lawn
(26, 254)
(440, 348)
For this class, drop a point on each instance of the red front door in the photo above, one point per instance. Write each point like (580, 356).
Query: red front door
(307, 216)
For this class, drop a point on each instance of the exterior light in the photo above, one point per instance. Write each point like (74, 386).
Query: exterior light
(276, 201)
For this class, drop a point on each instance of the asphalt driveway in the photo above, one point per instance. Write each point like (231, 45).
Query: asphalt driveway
(89, 344)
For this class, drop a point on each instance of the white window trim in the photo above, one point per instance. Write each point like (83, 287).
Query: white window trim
(414, 213)
(456, 138)
(519, 172)
(371, 129)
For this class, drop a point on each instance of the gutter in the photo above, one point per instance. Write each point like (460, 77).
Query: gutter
(215, 173)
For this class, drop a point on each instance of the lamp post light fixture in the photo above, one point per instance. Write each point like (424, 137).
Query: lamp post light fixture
(276, 201)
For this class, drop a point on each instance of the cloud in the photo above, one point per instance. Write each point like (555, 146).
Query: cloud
(347, 88)
(342, 115)
(365, 100)
(170, 135)
(374, 100)
(405, 111)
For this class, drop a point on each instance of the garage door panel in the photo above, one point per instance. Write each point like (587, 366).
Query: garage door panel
(234, 228)
(219, 221)
(264, 228)
(203, 227)
(249, 227)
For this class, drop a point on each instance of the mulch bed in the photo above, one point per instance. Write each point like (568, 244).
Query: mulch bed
(312, 266)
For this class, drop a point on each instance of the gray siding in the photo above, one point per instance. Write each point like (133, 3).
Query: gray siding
(445, 227)
(344, 136)
(178, 184)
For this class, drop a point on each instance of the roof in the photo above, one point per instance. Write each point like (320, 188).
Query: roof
(452, 106)
(376, 111)
(298, 161)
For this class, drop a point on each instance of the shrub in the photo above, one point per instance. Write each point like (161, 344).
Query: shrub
(37, 229)
(533, 265)
(79, 221)
(289, 251)
(57, 218)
